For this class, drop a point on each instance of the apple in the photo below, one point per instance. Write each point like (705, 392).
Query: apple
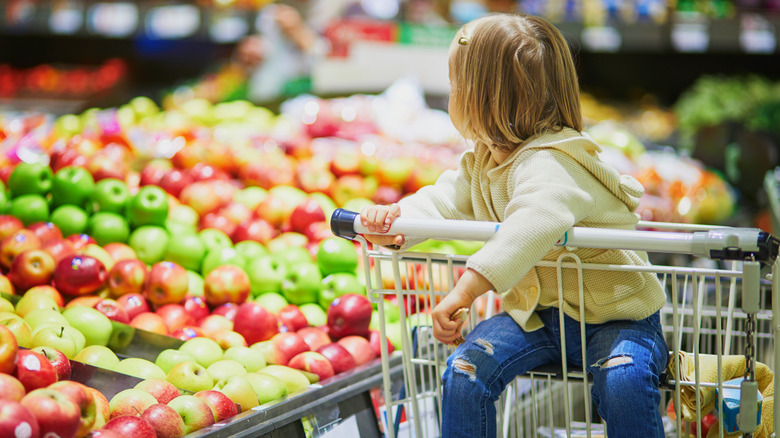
(56, 413)
(150, 322)
(84, 300)
(221, 405)
(294, 380)
(120, 251)
(166, 422)
(289, 253)
(316, 232)
(196, 284)
(79, 275)
(174, 181)
(341, 359)
(205, 351)
(267, 387)
(49, 291)
(58, 360)
(272, 301)
(226, 284)
(286, 345)
(70, 219)
(175, 316)
(11, 388)
(55, 336)
(312, 362)
(306, 212)
(112, 310)
(228, 338)
(5, 305)
(222, 256)
(110, 195)
(302, 284)
(59, 249)
(250, 196)
(98, 356)
(162, 390)
(224, 368)
(30, 208)
(186, 250)
(149, 206)
(255, 323)
(95, 326)
(254, 229)
(183, 214)
(82, 396)
(292, 318)
(238, 389)
(195, 412)
(20, 329)
(214, 239)
(134, 303)
(217, 220)
(359, 347)
(251, 359)
(16, 243)
(374, 338)
(167, 283)
(170, 357)
(314, 314)
(228, 310)
(138, 367)
(149, 242)
(46, 231)
(266, 274)
(215, 323)
(80, 241)
(72, 185)
(338, 284)
(108, 227)
(8, 350)
(187, 332)
(314, 337)
(335, 254)
(154, 170)
(130, 425)
(130, 401)
(349, 314)
(9, 225)
(196, 307)
(102, 408)
(33, 370)
(16, 420)
(201, 196)
(30, 178)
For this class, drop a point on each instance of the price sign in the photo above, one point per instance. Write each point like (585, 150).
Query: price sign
(114, 20)
(757, 35)
(228, 28)
(601, 39)
(690, 37)
(66, 17)
(173, 22)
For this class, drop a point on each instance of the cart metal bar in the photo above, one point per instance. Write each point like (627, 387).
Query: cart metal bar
(717, 244)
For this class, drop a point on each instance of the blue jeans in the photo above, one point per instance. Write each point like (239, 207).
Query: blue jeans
(625, 359)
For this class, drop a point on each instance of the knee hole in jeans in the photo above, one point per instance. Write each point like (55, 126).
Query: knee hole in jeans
(487, 346)
(465, 367)
(614, 361)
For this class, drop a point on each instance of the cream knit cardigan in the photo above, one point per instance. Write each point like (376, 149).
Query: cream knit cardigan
(553, 182)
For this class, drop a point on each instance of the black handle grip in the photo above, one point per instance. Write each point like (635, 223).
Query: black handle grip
(342, 223)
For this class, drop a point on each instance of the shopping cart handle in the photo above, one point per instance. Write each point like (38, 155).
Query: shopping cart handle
(721, 243)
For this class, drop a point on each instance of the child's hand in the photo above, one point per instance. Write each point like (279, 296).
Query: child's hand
(469, 286)
(378, 218)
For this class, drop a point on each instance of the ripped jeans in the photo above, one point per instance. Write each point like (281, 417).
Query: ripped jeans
(625, 359)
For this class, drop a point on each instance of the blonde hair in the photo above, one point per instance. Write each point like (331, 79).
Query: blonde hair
(512, 77)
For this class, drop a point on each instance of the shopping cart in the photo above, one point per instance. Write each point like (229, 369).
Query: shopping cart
(717, 321)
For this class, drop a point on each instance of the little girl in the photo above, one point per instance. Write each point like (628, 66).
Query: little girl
(515, 94)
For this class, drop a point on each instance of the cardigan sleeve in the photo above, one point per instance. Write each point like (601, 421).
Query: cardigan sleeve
(549, 192)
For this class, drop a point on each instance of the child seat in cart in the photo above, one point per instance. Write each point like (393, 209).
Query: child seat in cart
(722, 292)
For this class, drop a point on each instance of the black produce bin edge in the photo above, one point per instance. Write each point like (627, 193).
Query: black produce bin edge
(255, 423)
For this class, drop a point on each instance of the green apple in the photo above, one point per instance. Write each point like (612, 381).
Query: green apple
(186, 250)
(214, 239)
(21, 330)
(302, 284)
(67, 125)
(30, 178)
(338, 284)
(55, 337)
(250, 196)
(238, 389)
(169, 358)
(70, 219)
(288, 239)
(5, 305)
(141, 368)
(30, 302)
(190, 376)
(292, 256)
(121, 336)
(314, 314)
(221, 256)
(206, 351)
(99, 356)
(5, 201)
(250, 249)
(196, 284)
(184, 214)
(110, 194)
(81, 340)
(393, 332)
(29, 208)
(225, 368)
(252, 360)
(129, 402)
(72, 185)
(107, 227)
(335, 254)
(175, 228)
(149, 243)
(271, 301)
(266, 274)
(267, 387)
(95, 326)
(293, 379)
(37, 317)
(148, 207)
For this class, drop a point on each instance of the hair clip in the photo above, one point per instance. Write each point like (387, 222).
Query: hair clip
(463, 41)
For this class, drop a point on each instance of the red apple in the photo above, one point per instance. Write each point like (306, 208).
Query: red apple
(131, 426)
(202, 196)
(187, 332)
(82, 396)
(113, 310)
(226, 284)
(130, 401)
(9, 225)
(341, 359)
(16, 420)
(375, 339)
(80, 241)
(174, 181)
(34, 370)
(9, 349)
(315, 337)
(84, 300)
(162, 390)
(150, 322)
(359, 347)
(305, 213)
(58, 360)
(292, 318)
(202, 171)
(166, 422)
(59, 248)
(218, 221)
(127, 277)
(56, 413)
(317, 231)
(152, 172)
(79, 275)
(120, 251)
(16, 243)
(168, 282)
(228, 338)
(214, 323)
(349, 314)
(255, 323)
(228, 310)
(221, 405)
(175, 316)
(102, 408)
(134, 304)
(46, 231)
(33, 267)
(257, 229)
(103, 433)
(312, 362)
(196, 307)
(11, 388)
(286, 346)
